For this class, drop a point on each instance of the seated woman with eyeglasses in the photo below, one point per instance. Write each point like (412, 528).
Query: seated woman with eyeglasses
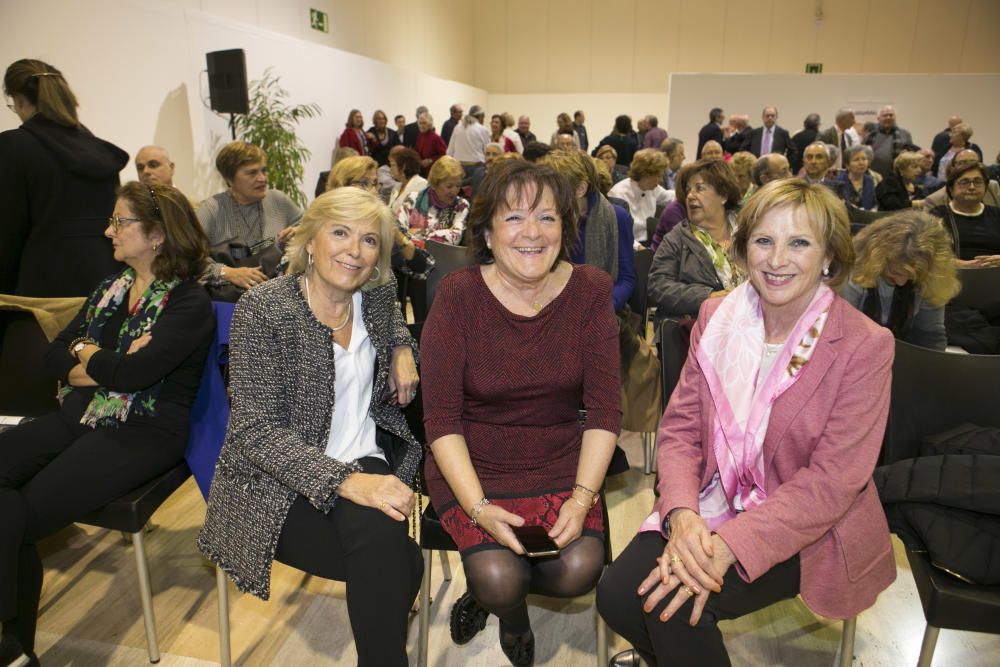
(130, 364)
(974, 226)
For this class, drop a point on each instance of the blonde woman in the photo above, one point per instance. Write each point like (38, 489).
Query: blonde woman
(903, 276)
(742, 164)
(358, 171)
(642, 189)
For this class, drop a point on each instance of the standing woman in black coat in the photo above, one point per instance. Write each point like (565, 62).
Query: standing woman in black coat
(57, 184)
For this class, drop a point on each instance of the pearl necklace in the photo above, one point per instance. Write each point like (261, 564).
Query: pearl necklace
(350, 307)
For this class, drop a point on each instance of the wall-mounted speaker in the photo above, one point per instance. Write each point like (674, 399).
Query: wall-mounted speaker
(227, 81)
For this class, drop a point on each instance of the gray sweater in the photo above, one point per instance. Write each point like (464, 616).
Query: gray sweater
(282, 385)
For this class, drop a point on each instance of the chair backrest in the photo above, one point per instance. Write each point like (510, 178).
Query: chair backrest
(639, 301)
(618, 201)
(980, 289)
(860, 216)
(25, 389)
(673, 350)
(651, 224)
(934, 391)
(447, 258)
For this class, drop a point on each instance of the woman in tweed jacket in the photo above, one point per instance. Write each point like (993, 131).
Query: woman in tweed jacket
(321, 362)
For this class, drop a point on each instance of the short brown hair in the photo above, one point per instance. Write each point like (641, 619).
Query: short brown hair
(826, 213)
(716, 173)
(648, 162)
(507, 182)
(407, 159)
(45, 88)
(234, 155)
(185, 245)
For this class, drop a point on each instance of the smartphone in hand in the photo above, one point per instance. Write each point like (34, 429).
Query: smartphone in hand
(536, 541)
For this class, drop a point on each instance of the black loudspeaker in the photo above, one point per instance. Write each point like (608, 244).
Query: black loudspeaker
(227, 81)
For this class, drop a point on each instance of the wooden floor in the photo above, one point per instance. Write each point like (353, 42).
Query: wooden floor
(91, 614)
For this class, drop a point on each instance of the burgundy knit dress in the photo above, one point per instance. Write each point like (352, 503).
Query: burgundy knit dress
(513, 386)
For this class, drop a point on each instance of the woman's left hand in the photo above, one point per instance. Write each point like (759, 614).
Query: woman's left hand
(403, 377)
(569, 525)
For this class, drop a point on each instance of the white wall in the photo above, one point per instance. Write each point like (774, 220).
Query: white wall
(136, 67)
(923, 102)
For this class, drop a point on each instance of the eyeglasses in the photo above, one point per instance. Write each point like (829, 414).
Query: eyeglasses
(116, 223)
(967, 182)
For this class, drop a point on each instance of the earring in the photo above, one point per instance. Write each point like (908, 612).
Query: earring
(826, 271)
(310, 266)
(378, 274)
(156, 246)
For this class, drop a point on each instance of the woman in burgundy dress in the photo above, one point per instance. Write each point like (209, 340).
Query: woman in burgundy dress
(511, 351)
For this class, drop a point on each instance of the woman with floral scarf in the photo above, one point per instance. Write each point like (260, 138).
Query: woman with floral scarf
(130, 364)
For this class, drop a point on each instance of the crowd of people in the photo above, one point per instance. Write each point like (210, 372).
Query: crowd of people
(520, 356)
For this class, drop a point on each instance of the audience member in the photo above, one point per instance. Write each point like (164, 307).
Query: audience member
(511, 133)
(743, 164)
(903, 277)
(942, 141)
(316, 424)
(641, 126)
(899, 189)
(888, 141)
(770, 167)
(604, 182)
(737, 134)
(642, 190)
(129, 364)
(564, 125)
(857, 187)
(153, 166)
(807, 135)
(604, 231)
(816, 164)
(712, 151)
(673, 148)
(497, 135)
(492, 152)
(609, 156)
(963, 159)
(776, 503)
(771, 137)
(339, 154)
(655, 135)
(711, 131)
(412, 130)
(566, 142)
(506, 448)
(357, 171)
(959, 138)
(692, 261)
(405, 165)
(675, 212)
(246, 218)
(437, 212)
(469, 139)
(429, 146)
(581, 130)
(381, 137)
(622, 139)
(842, 134)
(455, 112)
(928, 181)
(57, 184)
(354, 135)
(524, 131)
(400, 121)
(973, 224)
(535, 150)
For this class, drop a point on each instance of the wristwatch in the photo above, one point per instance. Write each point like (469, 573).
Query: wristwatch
(78, 348)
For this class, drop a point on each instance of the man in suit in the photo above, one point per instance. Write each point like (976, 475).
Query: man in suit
(771, 137)
(455, 115)
(942, 142)
(712, 131)
(842, 134)
(810, 128)
(739, 134)
(412, 130)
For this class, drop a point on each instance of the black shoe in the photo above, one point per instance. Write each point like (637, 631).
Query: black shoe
(467, 619)
(11, 654)
(629, 658)
(519, 649)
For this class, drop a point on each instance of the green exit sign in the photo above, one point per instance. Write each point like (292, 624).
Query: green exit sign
(319, 20)
(814, 68)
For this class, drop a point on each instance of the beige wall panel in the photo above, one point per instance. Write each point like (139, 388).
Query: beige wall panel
(527, 45)
(568, 32)
(700, 35)
(746, 34)
(794, 35)
(940, 35)
(980, 52)
(611, 60)
(840, 41)
(889, 35)
(657, 44)
(236, 10)
(289, 18)
(490, 50)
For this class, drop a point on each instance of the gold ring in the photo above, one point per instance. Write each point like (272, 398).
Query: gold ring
(689, 591)
(382, 505)
(675, 558)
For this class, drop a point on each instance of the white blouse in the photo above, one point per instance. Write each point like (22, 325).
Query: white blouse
(641, 203)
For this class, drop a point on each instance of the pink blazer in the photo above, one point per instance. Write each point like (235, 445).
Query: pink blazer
(821, 446)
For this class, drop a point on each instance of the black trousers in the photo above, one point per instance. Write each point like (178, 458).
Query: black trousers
(53, 471)
(675, 642)
(373, 554)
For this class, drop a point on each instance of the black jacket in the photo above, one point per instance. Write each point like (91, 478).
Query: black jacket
(57, 189)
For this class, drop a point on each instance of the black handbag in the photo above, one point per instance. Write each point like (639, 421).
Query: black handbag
(268, 256)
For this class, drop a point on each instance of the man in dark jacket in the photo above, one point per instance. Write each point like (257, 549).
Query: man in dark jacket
(711, 131)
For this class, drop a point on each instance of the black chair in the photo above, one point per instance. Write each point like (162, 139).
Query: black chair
(861, 217)
(447, 258)
(130, 514)
(980, 289)
(639, 300)
(932, 392)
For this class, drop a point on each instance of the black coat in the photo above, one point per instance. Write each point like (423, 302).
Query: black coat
(800, 141)
(709, 132)
(380, 151)
(410, 133)
(57, 189)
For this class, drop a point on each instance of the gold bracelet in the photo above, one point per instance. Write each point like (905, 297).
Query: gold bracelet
(577, 501)
(593, 494)
(477, 509)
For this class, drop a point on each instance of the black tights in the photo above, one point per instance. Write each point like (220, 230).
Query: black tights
(500, 580)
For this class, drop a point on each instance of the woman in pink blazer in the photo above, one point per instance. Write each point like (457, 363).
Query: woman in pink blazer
(767, 448)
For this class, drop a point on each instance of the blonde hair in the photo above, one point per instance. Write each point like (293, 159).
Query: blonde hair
(569, 165)
(605, 149)
(742, 163)
(907, 159)
(45, 88)
(825, 211)
(648, 162)
(349, 171)
(446, 167)
(603, 175)
(341, 206)
(913, 242)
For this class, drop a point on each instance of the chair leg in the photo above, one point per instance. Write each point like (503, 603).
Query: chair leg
(445, 565)
(146, 593)
(222, 595)
(602, 640)
(424, 613)
(927, 646)
(847, 642)
(647, 453)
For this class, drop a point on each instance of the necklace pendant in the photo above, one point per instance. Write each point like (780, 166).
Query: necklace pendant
(537, 306)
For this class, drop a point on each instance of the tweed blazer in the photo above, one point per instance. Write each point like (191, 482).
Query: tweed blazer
(823, 438)
(282, 384)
